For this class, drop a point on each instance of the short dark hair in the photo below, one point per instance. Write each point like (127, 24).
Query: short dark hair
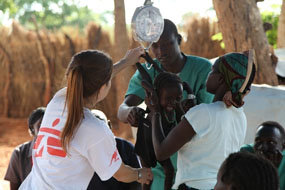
(34, 117)
(246, 171)
(274, 124)
(170, 28)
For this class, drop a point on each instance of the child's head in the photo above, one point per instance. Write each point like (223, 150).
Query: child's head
(35, 120)
(169, 88)
(235, 72)
(270, 141)
(88, 82)
(246, 171)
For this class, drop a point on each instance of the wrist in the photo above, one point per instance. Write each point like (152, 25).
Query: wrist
(139, 174)
(191, 96)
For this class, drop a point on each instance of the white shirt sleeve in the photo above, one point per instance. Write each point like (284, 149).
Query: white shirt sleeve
(104, 157)
(199, 119)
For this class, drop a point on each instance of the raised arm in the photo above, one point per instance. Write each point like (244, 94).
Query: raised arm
(177, 137)
(132, 56)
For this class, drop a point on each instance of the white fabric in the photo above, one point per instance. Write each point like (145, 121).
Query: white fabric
(219, 132)
(280, 67)
(263, 103)
(93, 148)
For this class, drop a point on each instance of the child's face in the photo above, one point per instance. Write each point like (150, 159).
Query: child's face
(214, 79)
(37, 126)
(170, 95)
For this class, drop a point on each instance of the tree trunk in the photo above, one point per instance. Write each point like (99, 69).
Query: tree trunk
(122, 79)
(281, 28)
(241, 25)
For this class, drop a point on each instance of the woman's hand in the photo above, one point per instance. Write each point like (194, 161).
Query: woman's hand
(145, 175)
(133, 55)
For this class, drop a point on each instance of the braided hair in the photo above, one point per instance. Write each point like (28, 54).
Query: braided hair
(164, 79)
(246, 171)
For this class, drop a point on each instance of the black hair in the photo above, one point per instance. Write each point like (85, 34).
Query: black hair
(246, 171)
(169, 27)
(34, 117)
(165, 78)
(274, 124)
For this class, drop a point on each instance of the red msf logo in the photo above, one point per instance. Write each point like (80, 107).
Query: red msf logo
(53, 144)
(114, 157)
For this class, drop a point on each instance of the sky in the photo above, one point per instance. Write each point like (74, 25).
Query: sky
(172, 9)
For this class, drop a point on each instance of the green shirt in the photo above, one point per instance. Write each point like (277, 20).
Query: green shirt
(281, 168)
(195, 73)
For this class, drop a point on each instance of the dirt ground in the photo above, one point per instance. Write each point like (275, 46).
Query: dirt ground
(12, 133)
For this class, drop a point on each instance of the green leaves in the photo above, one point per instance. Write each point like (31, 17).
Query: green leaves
(50, 14)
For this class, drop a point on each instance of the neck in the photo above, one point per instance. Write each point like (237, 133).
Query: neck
(177, 65)
(89, 103)
(219, 95)
(169, 116)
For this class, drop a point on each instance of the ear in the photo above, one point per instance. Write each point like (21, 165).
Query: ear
(179, 39)
(221, 79)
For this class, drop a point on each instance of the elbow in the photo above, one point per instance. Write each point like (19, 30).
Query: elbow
(160, 156)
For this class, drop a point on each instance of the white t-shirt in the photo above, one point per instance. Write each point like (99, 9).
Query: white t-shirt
(93, 148)
(219, 132)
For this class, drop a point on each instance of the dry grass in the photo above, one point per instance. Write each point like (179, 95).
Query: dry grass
(199, 32)
(12, 133)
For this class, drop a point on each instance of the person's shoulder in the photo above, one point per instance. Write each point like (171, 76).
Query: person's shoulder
(93, 125)
(22, 149)
(198, 108)
(247, 148)
(58, 99)
(198, 61)
(123, 142)
(24, 146)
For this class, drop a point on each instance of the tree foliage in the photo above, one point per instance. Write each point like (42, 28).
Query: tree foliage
(272, 18)
(51, 14)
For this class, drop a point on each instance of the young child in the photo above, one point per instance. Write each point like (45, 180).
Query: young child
(169, 88)
(208, 133)
(72, 143)
(245, 171)
(21, 160)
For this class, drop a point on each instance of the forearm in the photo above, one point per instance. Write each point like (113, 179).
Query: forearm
(158, 137)
(179, 113)
(119, 66)
(123, 112)
(132, 56)
(127, 174)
